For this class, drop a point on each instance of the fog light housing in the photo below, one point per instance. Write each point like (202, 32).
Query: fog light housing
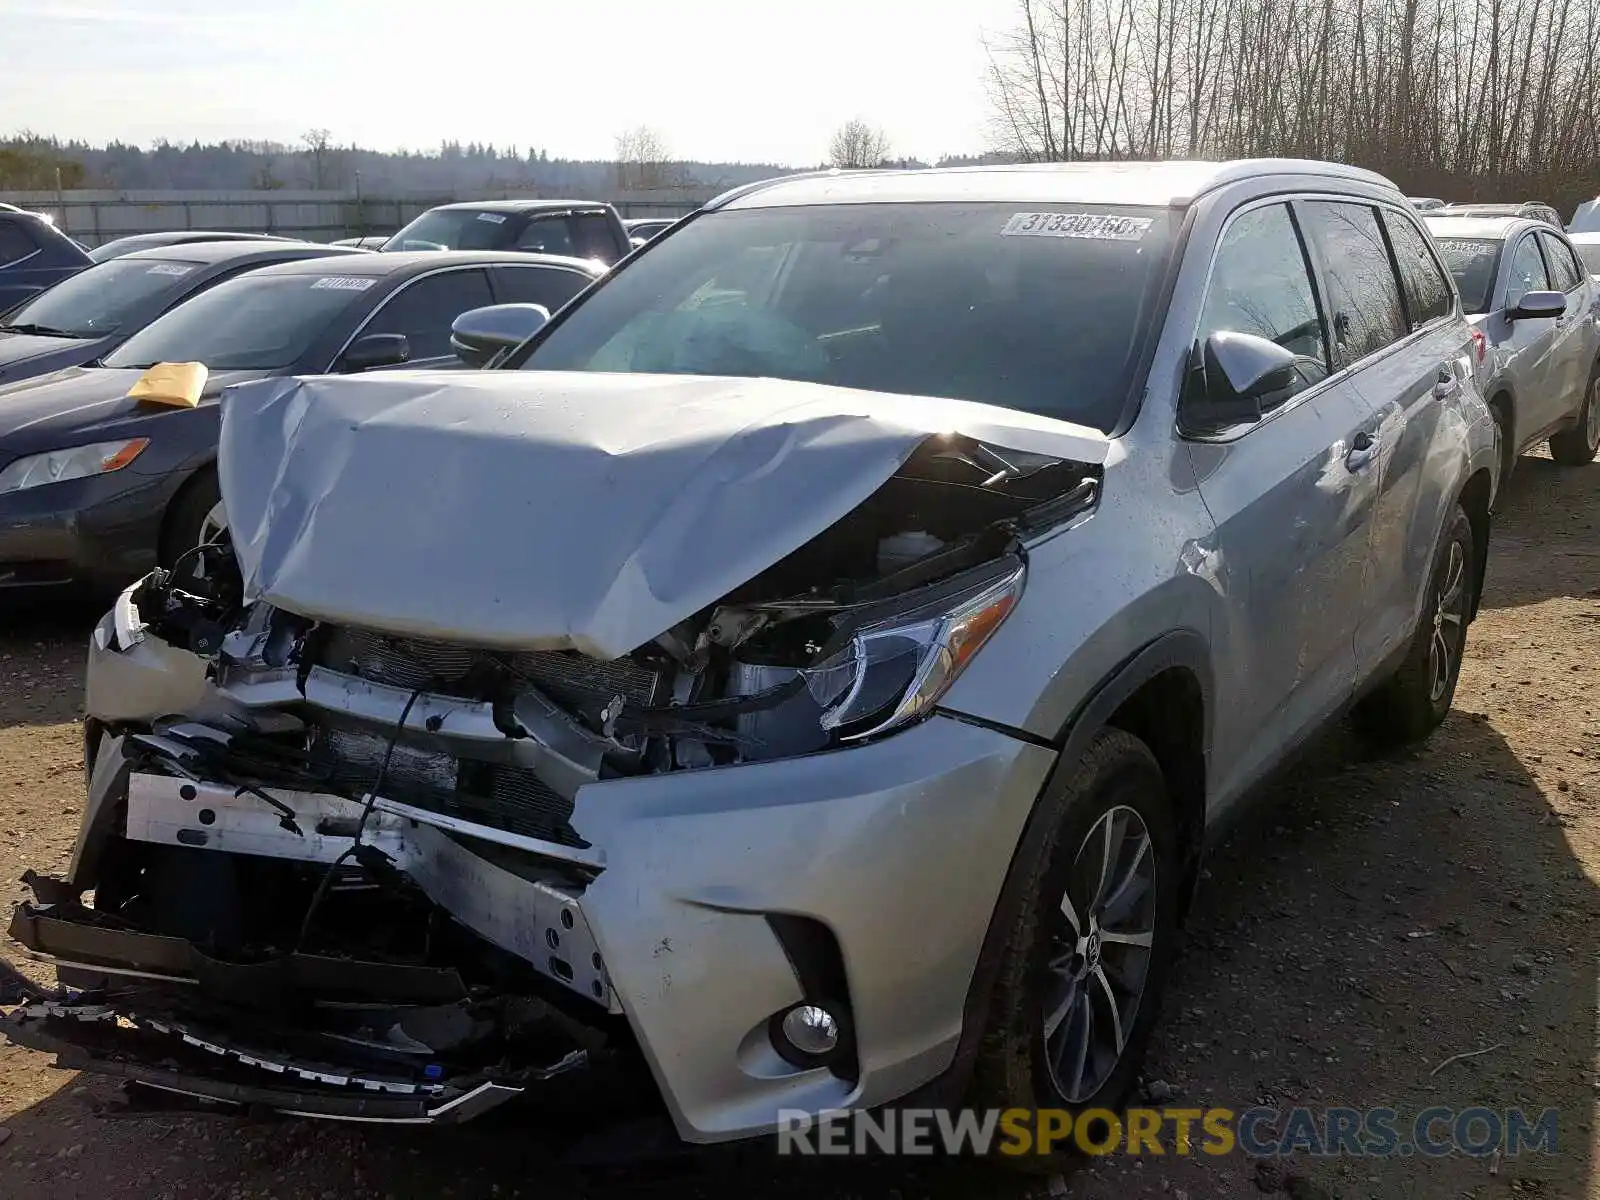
(810, 1029)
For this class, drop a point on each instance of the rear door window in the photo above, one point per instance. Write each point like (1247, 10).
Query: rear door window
(424, 309)
(1365, 310)
(549, 286)
(1427, 290)
(1527, 271)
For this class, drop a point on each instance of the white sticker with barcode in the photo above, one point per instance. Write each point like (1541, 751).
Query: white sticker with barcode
(177, 270)
(1103, 227)
(343, 283)
(492, 218)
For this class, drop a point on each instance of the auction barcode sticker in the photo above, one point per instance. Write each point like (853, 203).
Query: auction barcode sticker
(344, 283)
(1104, 227)
(492, 218)
(177, 270)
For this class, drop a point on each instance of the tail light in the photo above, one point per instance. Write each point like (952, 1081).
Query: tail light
(1480, 345)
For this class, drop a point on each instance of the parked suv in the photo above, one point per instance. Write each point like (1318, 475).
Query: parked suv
(812, 670)
(570, 228)
(1533, 308)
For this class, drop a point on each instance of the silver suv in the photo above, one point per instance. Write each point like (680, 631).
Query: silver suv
(811, 670)
(1536, 316)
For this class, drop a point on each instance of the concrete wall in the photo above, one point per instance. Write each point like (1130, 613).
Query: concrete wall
(94, 217)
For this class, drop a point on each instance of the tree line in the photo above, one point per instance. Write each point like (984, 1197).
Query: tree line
(1462, 99)
(31, 162)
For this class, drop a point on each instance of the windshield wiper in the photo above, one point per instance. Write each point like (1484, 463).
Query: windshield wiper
(40, 331)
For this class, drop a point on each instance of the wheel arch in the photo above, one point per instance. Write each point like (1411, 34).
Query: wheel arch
(1162, 694)
(1475, 498)
(197, 477)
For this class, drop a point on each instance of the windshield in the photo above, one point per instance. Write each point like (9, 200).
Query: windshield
(1589, 252)
(253, 323)
(1039, 311)
(1473, 263)
(100, 299)
(458, 229)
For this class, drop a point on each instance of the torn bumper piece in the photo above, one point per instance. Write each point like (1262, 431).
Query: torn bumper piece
(171, 1017)
(91, 1037)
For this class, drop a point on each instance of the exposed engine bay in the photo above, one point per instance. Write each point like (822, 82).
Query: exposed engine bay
(337, 868)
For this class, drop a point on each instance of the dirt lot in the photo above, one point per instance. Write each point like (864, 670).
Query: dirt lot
(1372, 919)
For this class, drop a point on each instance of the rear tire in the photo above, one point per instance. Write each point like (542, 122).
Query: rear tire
(1080, 981)
(1576, 446)
(1412, 702)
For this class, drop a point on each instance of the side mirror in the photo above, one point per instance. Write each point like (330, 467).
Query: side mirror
(1237, 372)
(1538, 305)
(479, 334)
(375, 350)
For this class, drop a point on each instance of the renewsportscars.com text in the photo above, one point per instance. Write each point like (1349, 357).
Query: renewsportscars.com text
(1257, 1132)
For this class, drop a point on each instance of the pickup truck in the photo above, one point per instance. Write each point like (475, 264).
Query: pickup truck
(34, 255)
(573, 228)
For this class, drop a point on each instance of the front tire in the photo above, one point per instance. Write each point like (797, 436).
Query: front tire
(1080, 980)
(1576, 446)
(1412, 702)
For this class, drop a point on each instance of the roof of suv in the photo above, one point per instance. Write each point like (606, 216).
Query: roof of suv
(1153, 184)
(516, 206)
(1488, 229)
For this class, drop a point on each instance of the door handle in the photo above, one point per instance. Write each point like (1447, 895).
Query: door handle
(1363, 449)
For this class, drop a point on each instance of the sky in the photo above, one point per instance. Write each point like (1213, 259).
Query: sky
(729, 80)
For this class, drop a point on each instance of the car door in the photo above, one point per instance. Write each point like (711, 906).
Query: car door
(424, 308)
(1572, 356)
(1292, 496)
(1529, 343)
(1412, 363)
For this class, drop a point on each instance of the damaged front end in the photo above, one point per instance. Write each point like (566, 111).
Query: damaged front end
(335, 868)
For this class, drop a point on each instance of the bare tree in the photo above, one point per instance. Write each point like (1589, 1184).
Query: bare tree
(1465, 99)
(856, 145)
(642, 160)
(319, 152)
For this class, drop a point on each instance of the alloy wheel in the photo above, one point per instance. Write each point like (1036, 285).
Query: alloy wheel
(1449, 622)
(1100, 953)
(214, 525)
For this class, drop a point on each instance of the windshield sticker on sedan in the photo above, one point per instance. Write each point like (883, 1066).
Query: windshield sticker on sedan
(1102, 227)
(343, 283)
(492, 218)
(177, 269)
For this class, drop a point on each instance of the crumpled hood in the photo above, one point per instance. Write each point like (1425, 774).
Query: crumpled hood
(544, 510)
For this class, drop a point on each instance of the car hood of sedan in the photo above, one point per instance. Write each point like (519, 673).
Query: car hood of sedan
(545, 510)
(52, 410)
(27, 354)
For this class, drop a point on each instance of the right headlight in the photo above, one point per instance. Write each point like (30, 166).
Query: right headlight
(896, 669)
(73, 462)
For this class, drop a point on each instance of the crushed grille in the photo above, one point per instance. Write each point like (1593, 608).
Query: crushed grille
(411, 663)
(501, 796)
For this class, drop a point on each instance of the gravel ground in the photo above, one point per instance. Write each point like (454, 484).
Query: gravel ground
(1368, 921)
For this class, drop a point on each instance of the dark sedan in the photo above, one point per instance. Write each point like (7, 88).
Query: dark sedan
(98, 488)
(91, 313)
(34, 255)
(166, 239)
